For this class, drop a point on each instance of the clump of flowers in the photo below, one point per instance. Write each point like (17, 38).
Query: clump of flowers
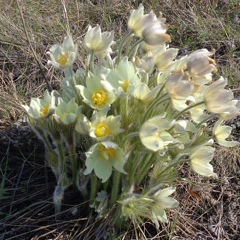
(138, 111)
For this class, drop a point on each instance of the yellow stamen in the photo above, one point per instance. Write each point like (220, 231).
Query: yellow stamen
(102, 130)
(63, 58)
(44, 111)
(99, 97)
(63, 116)
(156, 135)
(108, 153)
(125, 85)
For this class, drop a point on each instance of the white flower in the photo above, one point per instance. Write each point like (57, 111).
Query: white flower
(63, 56)
(138, 21)
(66, 112)
(41, 108)
(153, 133)
(102, 158)
(97, 41)
(163, 201)
(154, 34)
(95, 94)
(179, 89)
(200, 158)
(104, 127)
(221, 101)
(223, 132)
(122, 80)
(200, 66)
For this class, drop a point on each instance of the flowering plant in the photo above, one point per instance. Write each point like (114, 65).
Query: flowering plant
(138, 112)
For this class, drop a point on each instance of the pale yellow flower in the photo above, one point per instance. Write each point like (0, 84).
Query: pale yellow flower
(200, 158)
(155, 34)
(64, 55)
(161, 202)
(221, 133)
(97, 41)
(138, 21)
(179, 89)
(200, 66)
(221, 101)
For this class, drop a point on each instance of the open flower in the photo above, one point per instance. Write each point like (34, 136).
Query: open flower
(102, 157)
(63, 56)
(97, 41)
(154, 135)
(200, 158)
(95, 94)
(223, 132)
(161, 202)
(221, 101)
(122, 80)
(41, 108)
(66, 112)
(103, 128)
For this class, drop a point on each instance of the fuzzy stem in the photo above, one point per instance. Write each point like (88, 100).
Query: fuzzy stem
(116, 187)
(61, 156)
(94, 184)
(89, 64)
(74, 166)
(134, 47)
(121, 46)
(148, 161)
(205, 120)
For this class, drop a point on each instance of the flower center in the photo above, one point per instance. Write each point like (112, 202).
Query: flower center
(156, 135)
(125, 85)
(99, 97)
(108, 153)
(102, 130)
(44, 111)
(63, 58)
(63, 116)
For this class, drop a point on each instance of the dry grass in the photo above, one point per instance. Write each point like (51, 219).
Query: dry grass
(209, 209)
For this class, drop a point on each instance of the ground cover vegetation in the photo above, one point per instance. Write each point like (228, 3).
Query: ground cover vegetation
(208, 208)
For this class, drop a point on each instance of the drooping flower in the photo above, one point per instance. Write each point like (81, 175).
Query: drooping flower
(154, 135)
(161, 202)
(138, 21)
(144, 93)
(221, 133)
(63, 56)
(145, 63)
(221, 101)
(200, 66)
(102, 157)
(97, 41)
(41, 108)
(163, 56)
(180, 90)
(200, 158)
(95, 94)
(155, 34)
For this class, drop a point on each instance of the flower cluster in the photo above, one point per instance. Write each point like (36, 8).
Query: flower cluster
(127, 122)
